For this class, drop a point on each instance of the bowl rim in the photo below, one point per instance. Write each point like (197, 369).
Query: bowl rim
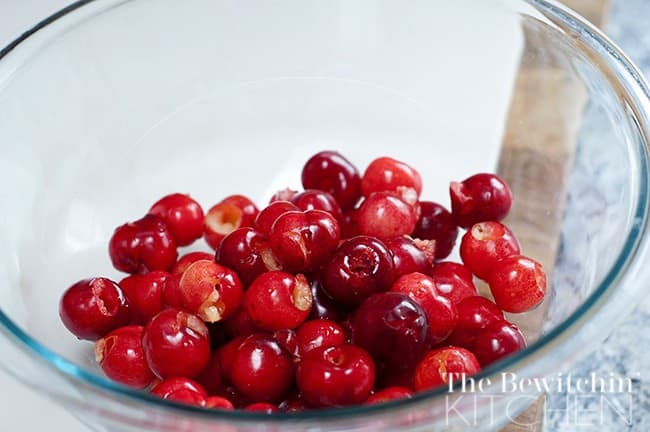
(625, 71)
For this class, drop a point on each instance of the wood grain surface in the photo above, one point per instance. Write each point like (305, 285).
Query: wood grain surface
(536, 159)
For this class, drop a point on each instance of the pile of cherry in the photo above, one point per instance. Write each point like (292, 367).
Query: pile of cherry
(334, 296)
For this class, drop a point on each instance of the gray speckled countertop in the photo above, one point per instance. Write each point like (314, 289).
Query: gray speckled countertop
(627, 351)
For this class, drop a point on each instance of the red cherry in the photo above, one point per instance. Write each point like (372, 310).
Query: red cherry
(278, 300)
(121, 357)
(218, 402)
(484, 245)
(439, 366)
(143, 246)
(92, 308)
(336, 376)
(313, 199)
(267, 217)
(518, 284)
(181, 390)
(496, 341)
(318, 333)
(480, 198)
(144, 294)
(233, 212)
(188, 259)
(183, 216)
(389, 394)
(407, 257)
(385, 215)
(211, 291)
(386, 174)
(436, 223)
(453, 281)
(211, 378)
(331, 172)
(474, 313)
(176, 343)
(248, 253)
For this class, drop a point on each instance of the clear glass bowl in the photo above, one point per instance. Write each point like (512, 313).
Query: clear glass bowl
(110, 104)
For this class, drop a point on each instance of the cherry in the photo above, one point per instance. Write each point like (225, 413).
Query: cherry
(144, 293)
(479, 198)
(436, 223)
(121, 357)
(267, 217)
(283, 195)
(313, 199)
(385, 174)
(218, 402)
(288, 341)
(336, 376)
(407, 257)
(350, 224)
(92, 308)
(235, 211)
(360, 267)
(248, 253)
(261, 370)
(211, 378)
(226, 354)
(183, 216)
(188, 259)
(322, 305)
(385, 215)
(181, 390)
(171, 292)
(388, 394)
(176, 343)
(302, 241)
(240, 324)
(211, 291)
(443, 364)
(278, 300)
(474, 313)
(331, 172)
(441, 312)
(518, 284)
(393, 328)
(497, 340)
(318, 333)
(143, 246)
(262, 407)
(453, 281)
(484, 245)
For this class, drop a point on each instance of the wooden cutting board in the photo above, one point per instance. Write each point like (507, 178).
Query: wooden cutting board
(536, 160)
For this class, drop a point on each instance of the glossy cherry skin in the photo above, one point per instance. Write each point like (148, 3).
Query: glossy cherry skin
(318, 333)
(313, 199)
(183, 216)
(322, 305)
(388, 394)
(485, 244)
(188, 259)
(479, 198)
(92, 308)
(336, 376)
(441, 312)
(288, 341)
(439, 366)
(261, 369)
(267, 217)
(474, 313)
(278, 300)
(393, 328)
(248, 253)
(303, 241)
(331, 172)
(386, 174)
(218, 402)
(436, 223)
(360, 267)
(233, 212)
(497, 340)
(407, 257)
(176, 344)
(181, 390)
(144, 293)
(143, 246)
(172, 292)
(454, 281)
(518, 284)
(226, 354)
(211, 291)
(121, 357)
(385, 215)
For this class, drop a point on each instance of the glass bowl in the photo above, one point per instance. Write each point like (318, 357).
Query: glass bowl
(110, 104)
